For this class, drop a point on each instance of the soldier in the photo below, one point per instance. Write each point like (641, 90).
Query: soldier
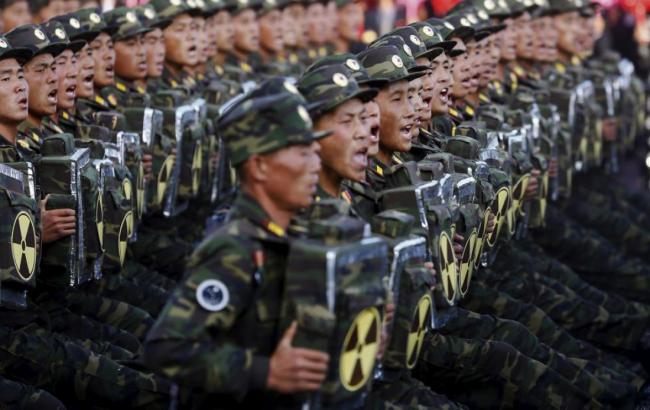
(14, 13)
(271, 52)
(246, 39)
(45, 10)
(316, 19)
(270, 141)
(293, 22)
(350, 21)
(154, 43)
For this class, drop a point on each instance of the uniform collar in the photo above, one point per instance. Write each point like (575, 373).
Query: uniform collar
(247, 207)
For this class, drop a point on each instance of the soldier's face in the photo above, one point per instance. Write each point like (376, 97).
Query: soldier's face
(226, 32)
(525, 43)
(475, 62)
(212, 32)
(294, 25)
(315, 22)
(40, 73)
(372, 123)
(415, 99)
(397, 117)
(72, 5)
(588, 34)
(86, 65)
(66, 69)
(271, 36)
(155, 46)
(460, 71)
(104, 56)
(550, 38)
(345, 152)
(331, 19)
(247, 31)
(53, 9)
(291, 175)
(131, 58)
(16, 14)
(488, 65)
(350, 22)
(180, 42)
(13, 93)
(567, 26)
(427, 91)
(441, 67)
(508, 41)
(201, 40)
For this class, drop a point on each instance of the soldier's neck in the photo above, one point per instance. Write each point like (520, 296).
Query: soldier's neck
(384, 156)
(472, 99)
(282, 217)
(55, 118)
(141, 83)
(174, 69)
(240, 55)
(330, 181)
(219, 58)
(563, 56)
(266, 55)
(9, 131)
(341, 45)
(35, 119)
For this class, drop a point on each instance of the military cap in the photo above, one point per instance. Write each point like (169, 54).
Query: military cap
(448, 30)
(480, 22)
(385, 63)
(55, 31)
(8, 51)
(33, 37)
(169, 9)
(405, 52)
(74, 29)
(214, 6)
(462, 26)
(343, 3)
(127, 23)
(357, 71)
(494, 8)
(331, 86)
(432, 37)
(412, 38)
(35, 6)
(268, 5)
(517, 7)
(92, 20)
(237, 6)
(149, 18)
(264, 121)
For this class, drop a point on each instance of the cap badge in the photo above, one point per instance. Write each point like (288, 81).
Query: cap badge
(60, 33)
(175, 2)
(340, 79)
(302, 112)
(449, 25)
(472, 18)
(489, 4)
(290, 87)
(149, 13)
(464, 22)
(130, 17)
(483, 15)
(407, 50)
(352, 64)
(75, 23)
(94, 17)
(397, 61)
(39, 34)
(3, 43)
(415, 40)
(428, 31)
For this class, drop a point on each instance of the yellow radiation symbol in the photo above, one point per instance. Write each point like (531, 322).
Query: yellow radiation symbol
(99, 220)
(467, 262)
(139, 199)
(23, 245)
(500, 208)
(543, 199)
(197, 164)
(128, 194)
(583, 147)
(480, 238)
(447, 267)
(360, 350)
(516, 207)
(421, 317)
(163, 178)
(123, 236)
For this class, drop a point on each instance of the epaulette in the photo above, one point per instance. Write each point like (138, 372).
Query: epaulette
(121, 86)
(561, 68)
(274, 228)
(245, 67)
(484, 98)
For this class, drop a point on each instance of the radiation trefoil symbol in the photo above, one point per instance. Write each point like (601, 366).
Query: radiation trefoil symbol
(467, 262)
(124, 235)
(99, 220)
(140, 191)
(163, 178)
(516, 208)
(448, 269)
(421, 317)
(128, 194)
(359, 351)
(481, 239)
(500, 209)
(23, 245)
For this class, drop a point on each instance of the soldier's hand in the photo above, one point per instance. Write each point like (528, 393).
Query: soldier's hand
(533, 185)
(458, 246)
(293, 369)
(389, 313)
(147, 165)
(609, 129)
(491, 223)
(56, 223)
(432, 270)
(553, 168)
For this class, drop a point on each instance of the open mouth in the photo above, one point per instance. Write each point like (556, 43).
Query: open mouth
(466, 82)
(88, 80)
(405, 131)
(71, 91)
(22, 102)
(110, 71)
(360, 158)
(444, 96)
(51, 96)
(374, 133)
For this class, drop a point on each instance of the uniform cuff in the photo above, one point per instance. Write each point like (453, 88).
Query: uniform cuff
(259, 372)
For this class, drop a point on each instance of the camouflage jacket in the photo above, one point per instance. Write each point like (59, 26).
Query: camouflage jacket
(219, 329)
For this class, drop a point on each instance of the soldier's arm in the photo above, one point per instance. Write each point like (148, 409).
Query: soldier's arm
(192, 341)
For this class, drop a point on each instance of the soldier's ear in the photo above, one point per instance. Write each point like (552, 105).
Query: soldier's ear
(256, 169)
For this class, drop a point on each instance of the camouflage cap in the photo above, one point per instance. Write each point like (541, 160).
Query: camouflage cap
(214, 6)
(432, 37)
(169, 9)
(564, 6)
(589, 8)
(357, 71)
(480, 22)
(446, 30)
(127, 23)
(261, 124)
(331, 86)
(385, 63)
(343, 3)
(33, 37)
(75, 30)
(405, 52)
(21, 54)
(149, 18)
(237, 6)
(517, 7)
(268, 5)
(412, 38)
(494, 8)
(462, 26)
(55, 31)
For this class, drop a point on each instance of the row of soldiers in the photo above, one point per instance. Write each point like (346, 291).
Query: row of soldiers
(212, 204)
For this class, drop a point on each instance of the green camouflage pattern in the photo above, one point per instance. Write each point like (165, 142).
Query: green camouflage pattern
(126, 23)
(386, 63)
